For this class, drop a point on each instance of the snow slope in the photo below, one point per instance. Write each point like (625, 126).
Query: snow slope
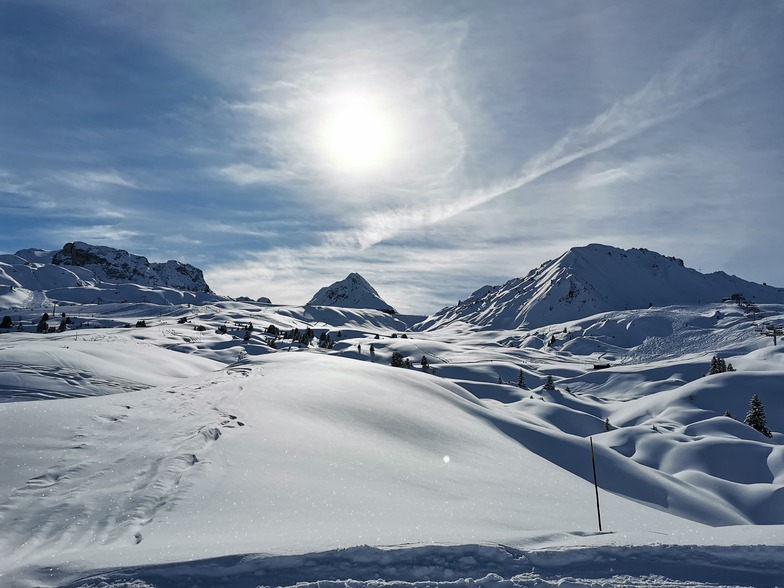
(206, 447)
(167, 447)
(596, 278)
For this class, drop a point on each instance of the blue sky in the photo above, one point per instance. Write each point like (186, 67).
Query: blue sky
(431, 146)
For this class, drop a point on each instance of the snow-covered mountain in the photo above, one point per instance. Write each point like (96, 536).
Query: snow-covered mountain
(352, 292)
(596, 278)
(83, 273)
(214, 445)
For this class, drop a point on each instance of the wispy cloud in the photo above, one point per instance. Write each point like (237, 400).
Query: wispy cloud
(712, 66)
(95, 233)
(244, 174)
(94, 180)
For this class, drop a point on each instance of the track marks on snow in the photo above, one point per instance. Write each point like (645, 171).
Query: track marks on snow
(60, 382)
(112, 491)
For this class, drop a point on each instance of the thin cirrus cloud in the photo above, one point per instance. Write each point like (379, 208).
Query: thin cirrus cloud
(95, 180)
(710, 67)
(714, 65)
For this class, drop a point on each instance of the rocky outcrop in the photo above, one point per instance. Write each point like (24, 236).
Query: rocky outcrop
(117, 265)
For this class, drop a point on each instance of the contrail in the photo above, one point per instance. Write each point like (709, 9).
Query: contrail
(712, 66)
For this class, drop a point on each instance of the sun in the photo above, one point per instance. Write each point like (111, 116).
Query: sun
(357, 134)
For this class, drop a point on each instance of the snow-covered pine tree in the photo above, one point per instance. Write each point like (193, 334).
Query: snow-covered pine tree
(756, 416)
(549, 384)
(520, 379)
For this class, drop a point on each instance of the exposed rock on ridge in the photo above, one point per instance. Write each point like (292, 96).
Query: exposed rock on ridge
(109, 264)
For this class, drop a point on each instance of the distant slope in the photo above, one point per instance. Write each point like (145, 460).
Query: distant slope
(352, 292)
(596, 278)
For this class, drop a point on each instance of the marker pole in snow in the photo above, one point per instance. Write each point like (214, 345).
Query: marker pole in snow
(595, 485)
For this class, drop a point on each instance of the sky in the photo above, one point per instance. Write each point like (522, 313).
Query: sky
(431, 146)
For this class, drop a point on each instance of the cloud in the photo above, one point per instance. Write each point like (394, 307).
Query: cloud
(244, 174)
(712, 66)
(95, 233)
(94, 180)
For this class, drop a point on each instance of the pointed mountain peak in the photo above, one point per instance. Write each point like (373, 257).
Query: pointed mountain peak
(352, 292)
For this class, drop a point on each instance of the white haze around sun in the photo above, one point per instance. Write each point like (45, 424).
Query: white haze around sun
(357, 134)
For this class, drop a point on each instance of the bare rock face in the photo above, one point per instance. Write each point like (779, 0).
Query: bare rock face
(117, 265)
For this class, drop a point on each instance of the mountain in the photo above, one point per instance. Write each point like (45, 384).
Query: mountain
(596, 278)
(202, 447)
(86, 273)
(352, 292)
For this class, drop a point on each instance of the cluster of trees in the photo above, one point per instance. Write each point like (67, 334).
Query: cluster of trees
(43, 324)
(719, 366)
(399, 360)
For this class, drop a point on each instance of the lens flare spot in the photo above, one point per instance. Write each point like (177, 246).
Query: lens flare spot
(446, 459)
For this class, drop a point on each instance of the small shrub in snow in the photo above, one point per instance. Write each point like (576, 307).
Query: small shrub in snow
(607, 425)
(397, 359)
(7, 322)
(549, 384)
(424, 363)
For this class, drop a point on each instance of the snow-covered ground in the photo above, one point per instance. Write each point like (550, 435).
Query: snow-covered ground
(181, 455)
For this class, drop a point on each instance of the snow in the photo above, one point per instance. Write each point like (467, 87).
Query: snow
(181, 454)
(596, 278)
(352, 292)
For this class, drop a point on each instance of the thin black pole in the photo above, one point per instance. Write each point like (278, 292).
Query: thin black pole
(596, 486)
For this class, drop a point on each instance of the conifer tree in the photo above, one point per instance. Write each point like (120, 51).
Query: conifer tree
(549, 384)
(755, 418)
(520, 379)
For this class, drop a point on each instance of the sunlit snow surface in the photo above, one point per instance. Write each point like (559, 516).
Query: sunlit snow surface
(172, 456)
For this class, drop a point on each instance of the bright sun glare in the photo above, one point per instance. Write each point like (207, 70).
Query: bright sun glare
(357, 134)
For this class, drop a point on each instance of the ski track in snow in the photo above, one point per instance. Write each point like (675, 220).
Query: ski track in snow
(80, 383)
(79, 501)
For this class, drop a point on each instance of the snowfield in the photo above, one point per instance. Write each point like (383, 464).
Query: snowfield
(209, 448)
(171, 456)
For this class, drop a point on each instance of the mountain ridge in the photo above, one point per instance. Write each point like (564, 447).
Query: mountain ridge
(592, 279)
(83, 273)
